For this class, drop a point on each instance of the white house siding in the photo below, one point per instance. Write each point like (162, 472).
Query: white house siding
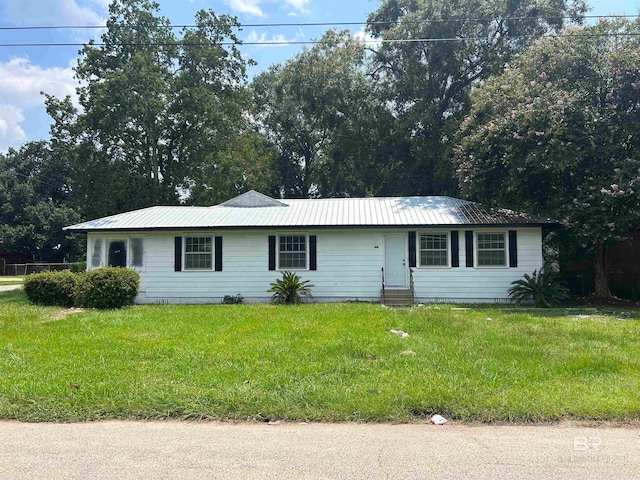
(348, 268)
(478, 284)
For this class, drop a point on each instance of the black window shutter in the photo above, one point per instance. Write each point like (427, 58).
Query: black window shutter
(177, 259)
(218, 253)
(468, 245)
(412, 249)
(513, 248)
(272, 252)
(455, 249)
(313, 263)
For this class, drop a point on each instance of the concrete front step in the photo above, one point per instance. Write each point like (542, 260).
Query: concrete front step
(396, 297)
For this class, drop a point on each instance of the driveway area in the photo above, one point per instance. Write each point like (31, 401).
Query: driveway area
(187, 450)
(6, 288)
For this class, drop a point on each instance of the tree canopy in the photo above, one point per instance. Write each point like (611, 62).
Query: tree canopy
(558, 133)
(34, 189)
(157, 109)
(435, 51)
(320, 111)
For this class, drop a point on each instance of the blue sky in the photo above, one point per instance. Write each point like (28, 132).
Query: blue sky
(25, 72)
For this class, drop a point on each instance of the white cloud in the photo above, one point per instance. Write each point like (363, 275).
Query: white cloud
(11, 133)
(254, 37)
(21, 82)
(265, 40)
(49, 12)
(251, 7)
(299, 6)
(20, 85)
(365, 37)
(257, 7)
(102, 3)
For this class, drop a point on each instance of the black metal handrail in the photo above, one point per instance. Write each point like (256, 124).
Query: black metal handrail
(411, 285)
(383, 293)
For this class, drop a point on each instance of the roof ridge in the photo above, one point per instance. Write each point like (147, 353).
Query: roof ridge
(252, 199)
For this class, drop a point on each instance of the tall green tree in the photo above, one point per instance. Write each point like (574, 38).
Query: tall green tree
(558, 134)
(157, 108)
(320, 111)
(248, 162)
(34, 192)
(435, 51)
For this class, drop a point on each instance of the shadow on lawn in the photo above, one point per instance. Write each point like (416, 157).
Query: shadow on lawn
(580, 312)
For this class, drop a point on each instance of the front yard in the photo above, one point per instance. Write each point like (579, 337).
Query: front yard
(335, 362)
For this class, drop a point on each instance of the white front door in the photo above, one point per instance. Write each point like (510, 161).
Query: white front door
(395, 268)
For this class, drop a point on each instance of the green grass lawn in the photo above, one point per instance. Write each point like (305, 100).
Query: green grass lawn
(330, 362)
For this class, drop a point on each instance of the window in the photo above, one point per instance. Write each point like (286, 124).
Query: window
(96, 253)
(136, 252)
(434, 251)
(117, 256)
(492, 250)
(292, 252)
(125, 252)
(198, 253)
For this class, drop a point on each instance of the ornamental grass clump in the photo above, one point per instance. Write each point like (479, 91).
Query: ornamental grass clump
(290, 289)
(542, 288)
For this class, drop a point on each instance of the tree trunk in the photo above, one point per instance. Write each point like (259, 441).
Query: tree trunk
(601, 268)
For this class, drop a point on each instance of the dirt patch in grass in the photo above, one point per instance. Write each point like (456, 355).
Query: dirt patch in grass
(62, 314)
(593, 301)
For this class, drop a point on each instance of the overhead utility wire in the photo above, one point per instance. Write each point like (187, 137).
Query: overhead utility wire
(327, 24)
(31, 177)
(309, 42)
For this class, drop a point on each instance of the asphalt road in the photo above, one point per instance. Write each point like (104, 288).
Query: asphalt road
(184, 450)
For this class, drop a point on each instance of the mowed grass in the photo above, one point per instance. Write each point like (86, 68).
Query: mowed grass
(323, 362)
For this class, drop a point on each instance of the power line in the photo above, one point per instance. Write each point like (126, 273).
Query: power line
(31, 177)
(314, 42)
(328, 24)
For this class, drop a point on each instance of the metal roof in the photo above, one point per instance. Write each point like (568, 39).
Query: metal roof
(253, 210)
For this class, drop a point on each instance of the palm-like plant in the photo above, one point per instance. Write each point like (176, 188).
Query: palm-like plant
(542, 287)
(290, 289)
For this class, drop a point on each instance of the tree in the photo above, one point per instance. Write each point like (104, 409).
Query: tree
(34, 207)
(320, 111)
(100, 185)
(558, 134)
(156, 110)
(427, 82)
(248, 162)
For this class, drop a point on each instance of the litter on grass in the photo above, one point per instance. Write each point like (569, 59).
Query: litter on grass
(400, 333)
(438, 420)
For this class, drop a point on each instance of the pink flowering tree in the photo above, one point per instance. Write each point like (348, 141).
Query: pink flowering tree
(558, 134)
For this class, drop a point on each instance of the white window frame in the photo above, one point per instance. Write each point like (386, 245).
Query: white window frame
(90, 251)
(477, 245)
(104, 254)
(130, 252)
(184, 253)
(306, 247)
(448, 249)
